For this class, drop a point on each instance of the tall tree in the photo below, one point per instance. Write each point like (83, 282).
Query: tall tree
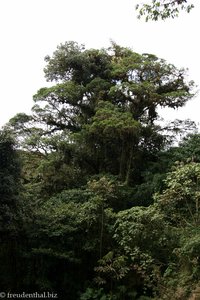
(125, 86)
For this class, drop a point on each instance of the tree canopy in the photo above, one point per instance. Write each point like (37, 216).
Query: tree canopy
(101, 203)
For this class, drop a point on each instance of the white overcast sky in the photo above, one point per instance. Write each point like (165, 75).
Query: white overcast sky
(31, 29)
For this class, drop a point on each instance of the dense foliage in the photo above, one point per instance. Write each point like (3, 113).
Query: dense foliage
(96, 202)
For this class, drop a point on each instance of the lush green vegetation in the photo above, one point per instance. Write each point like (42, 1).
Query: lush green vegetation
(96, 201)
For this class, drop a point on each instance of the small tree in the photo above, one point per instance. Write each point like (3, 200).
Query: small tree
(181, 199)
